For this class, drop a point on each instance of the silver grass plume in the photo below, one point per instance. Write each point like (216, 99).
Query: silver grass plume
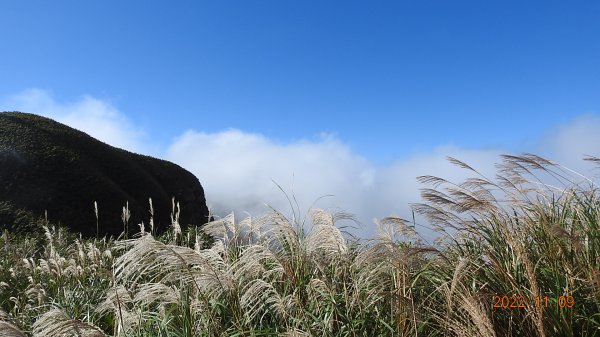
(9, 330)
(55, 323)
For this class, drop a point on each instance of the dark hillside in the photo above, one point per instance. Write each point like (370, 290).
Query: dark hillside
(48, 166)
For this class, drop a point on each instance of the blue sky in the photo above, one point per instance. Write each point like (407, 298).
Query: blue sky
(369, 85)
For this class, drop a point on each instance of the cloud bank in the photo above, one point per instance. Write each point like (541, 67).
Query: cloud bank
(240, 170)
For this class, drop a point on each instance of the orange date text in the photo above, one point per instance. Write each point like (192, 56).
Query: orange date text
(522, 302)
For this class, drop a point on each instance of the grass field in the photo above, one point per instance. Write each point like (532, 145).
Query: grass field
(518, 255)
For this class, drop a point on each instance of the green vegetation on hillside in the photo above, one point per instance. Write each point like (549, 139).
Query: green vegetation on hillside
(54, 171)
(518, 258)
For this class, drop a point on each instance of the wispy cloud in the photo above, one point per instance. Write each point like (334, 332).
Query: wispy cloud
(96, 117)
(240, 170)
(570, 142)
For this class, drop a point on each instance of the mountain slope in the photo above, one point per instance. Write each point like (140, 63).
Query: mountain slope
(46, 166)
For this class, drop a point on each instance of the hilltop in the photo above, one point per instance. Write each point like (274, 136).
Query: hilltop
(49, 168)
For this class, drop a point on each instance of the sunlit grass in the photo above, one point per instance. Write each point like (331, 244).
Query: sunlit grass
(510, 241)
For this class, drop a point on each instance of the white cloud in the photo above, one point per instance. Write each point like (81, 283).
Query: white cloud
(568, 143)
(98, 118)
(238, 169)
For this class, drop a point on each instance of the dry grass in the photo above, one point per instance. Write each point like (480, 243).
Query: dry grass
(532, 231)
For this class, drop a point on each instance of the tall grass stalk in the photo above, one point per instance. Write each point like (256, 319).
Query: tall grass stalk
(531, 232)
